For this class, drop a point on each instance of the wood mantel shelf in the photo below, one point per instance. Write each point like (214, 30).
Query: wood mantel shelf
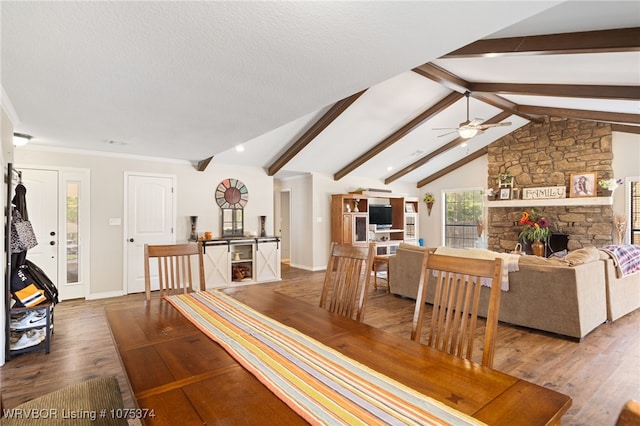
(580, 201)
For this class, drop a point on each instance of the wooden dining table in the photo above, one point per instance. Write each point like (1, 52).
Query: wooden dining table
(178, 375)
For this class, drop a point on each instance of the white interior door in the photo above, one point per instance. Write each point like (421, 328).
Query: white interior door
(42, 207)
(150, 219)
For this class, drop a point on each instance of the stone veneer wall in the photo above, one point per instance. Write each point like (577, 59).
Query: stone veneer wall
(546, 154)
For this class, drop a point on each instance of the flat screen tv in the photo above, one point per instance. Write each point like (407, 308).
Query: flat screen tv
(380, 215)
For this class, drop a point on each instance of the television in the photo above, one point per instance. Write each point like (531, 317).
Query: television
(380, 215)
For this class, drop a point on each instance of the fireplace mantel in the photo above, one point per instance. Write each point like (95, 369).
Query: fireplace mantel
(579, 201)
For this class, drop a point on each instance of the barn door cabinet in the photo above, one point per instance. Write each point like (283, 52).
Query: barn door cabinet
(241, 261)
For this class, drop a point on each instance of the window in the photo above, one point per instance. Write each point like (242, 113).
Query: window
(72, 231)
(463, 211)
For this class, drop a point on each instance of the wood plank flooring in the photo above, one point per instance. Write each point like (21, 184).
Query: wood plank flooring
(601, 373)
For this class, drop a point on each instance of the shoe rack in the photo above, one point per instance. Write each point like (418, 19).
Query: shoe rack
(30, 329)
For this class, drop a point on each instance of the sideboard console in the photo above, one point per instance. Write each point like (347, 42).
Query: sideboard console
(241, 261)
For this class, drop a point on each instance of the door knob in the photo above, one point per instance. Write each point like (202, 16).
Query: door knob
(52, 243)
(52, 233)
(130, 240)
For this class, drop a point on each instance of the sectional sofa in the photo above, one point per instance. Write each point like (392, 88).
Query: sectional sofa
(567, 296)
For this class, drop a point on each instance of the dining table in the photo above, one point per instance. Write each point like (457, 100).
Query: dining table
(179, 375)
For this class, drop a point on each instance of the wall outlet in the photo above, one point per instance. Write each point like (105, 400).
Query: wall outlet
(115, 221)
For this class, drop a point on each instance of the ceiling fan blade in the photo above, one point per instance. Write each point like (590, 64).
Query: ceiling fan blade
(488, 126)
(446, 134)
(475, 122)
(445, 128)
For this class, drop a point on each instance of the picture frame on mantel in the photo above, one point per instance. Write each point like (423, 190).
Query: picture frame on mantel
(505, 193)
(583, 184)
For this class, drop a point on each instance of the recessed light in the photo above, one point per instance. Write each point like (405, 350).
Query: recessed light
(463, 144)
(239, 148)
(389, 168)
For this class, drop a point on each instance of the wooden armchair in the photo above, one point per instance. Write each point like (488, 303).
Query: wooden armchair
(347, 280)
(174, 267)
(455, 306)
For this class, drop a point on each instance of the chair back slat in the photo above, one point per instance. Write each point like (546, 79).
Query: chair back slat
(455, 305)
(347, 280)
(174, 267)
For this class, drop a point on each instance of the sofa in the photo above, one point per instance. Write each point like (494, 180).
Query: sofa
(623, 291)
(566, 297)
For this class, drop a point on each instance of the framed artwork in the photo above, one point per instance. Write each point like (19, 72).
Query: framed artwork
(505, 194)
(583, 184)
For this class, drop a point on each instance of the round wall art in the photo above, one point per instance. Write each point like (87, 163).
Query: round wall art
(232, 194)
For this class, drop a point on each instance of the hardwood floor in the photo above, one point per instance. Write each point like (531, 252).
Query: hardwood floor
(601, 373)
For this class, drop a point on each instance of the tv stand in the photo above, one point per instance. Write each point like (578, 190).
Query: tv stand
(350, 220)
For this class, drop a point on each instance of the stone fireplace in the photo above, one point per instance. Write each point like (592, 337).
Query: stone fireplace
(546, 154)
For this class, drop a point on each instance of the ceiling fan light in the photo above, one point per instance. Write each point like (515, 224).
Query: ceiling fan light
(467, 132)
(21, 139)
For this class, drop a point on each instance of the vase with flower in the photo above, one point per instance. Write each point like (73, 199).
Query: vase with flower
(536, 231)
(429, 199)
(609, 185)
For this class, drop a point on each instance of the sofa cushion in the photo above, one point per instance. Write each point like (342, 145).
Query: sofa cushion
(582, 255)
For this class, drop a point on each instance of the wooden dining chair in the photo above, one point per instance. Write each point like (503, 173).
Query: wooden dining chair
(174, 267)
(630, 414)
(347, 280)
(455, 305)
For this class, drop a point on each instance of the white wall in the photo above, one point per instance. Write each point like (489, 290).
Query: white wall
(626, 164)
(195, 197)
(311, 213)
(6, 156)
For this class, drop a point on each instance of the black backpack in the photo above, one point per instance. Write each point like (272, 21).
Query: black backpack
(41, 280)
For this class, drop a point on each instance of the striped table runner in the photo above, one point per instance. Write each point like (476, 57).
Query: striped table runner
(320, 384)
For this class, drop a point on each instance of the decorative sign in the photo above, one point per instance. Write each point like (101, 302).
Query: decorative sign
(546, 193)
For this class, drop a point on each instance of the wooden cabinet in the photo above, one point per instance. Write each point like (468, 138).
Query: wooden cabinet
(267, 261)
(349, 219)
(240, 261)
(350, 222)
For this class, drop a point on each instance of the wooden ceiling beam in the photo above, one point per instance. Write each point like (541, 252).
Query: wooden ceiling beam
(202, 164)
(442, 76)
(602, 41)
(614, 117)
(452, 81)
(304, 140)
(441, 150)
(399, 134)
(625, 128)
(560, 90)
(466, 160)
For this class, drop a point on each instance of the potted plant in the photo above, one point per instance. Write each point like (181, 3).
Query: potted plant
(609, 185)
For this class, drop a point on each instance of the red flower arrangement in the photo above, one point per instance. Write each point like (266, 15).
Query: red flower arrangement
(536, 226)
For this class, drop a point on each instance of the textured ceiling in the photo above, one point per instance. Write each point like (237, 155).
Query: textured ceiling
(190, 80)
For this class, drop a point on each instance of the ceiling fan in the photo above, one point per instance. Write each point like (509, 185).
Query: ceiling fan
(470, 128)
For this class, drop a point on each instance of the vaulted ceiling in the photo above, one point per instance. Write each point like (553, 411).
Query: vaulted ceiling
(339, 88)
